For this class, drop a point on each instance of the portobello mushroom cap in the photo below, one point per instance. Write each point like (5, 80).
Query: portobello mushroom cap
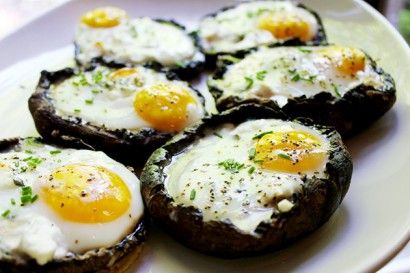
(313, 206)
(351, 113)
(116, 258)
(185, 72)
(129, 147)
(319, 39)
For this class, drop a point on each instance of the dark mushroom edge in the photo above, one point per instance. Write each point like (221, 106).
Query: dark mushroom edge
(319, 39)
(353, 112)
(132, 148)
(116, 258)
(313, 206)
(188, 71)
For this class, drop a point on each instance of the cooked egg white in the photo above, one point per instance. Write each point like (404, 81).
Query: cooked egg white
(55, 203)
(282, 73)
(128, 98)
(109, 33)
(256, 23)
(244, 174)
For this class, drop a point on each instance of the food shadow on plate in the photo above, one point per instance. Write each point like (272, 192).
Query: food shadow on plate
(171, 256)
(378, 134)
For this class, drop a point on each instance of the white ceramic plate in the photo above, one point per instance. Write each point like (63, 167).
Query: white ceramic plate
(372, 224)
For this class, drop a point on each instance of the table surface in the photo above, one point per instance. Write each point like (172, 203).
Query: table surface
(15, 13)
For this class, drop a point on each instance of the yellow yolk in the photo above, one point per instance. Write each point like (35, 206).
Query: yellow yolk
(122, 73)
(86, 194)
(347, 60)
(295, 151)
(286, 27)
(104, 17)
(164, 106)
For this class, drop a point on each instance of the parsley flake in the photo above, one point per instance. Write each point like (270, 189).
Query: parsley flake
(251, 170)
(249, 82)
(336, 89)
(6, 213)
(284, 156)
(54, 152)
(89, 102)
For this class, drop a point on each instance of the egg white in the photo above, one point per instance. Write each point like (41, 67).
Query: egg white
(35, 229)
(235, 195)
(277, 83)
(110, 103)
(237, 28)
(137, 41)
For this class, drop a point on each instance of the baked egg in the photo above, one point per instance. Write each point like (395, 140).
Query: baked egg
(57, 204)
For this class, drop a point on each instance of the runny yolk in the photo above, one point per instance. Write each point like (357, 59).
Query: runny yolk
(164, 106)
(86, 194)
(104, 17)
(347, 60)
(122, 73)
(295, 151)
(286, 27)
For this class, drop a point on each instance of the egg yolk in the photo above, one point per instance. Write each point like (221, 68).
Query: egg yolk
(347, 60)
(122, 73)
(294, 152)
(86, 194)
(286, 27)
(104, 17)
(164, 106)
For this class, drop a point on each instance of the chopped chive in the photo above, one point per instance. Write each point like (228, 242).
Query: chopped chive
(218, 135)
(261, 75)
(304, 50)
(231, 165)
(89, 102)
(54, 152)
(262, 134)
(6, 213)
(251, 170)
(34, 198)
(284, 156)
(229, 58)
(236, 137)
(77, 110)
(32, 141)
(249, 82)
(13, 201)
(28, 151)
(252, 153)
(336, 89)
(180, 64)
(98, 76)
(95, 91)
(192, 195)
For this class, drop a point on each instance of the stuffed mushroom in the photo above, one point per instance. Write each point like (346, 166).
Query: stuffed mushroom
(66, 210)
(334, 85)
(107, 35)
(246, 181)
(235, 30)
(126, 112)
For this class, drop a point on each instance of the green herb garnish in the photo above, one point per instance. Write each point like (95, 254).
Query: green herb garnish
(97, 76)
(261, 75)
(27, 196)
(192, 195)
(89, 102)
(13, 201)
(251, 170)
(95, 91)
(284, 156)
(252, 153)
(231, 165)
(229, 58)
(6, 213)
(336, 89)
(304, 50)
(28, 151)
(32, 141)
(33, 161)
(77, 110)
(218, 135)
(296, 77)
(259, 136)
(54, 152)
(249, 82)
